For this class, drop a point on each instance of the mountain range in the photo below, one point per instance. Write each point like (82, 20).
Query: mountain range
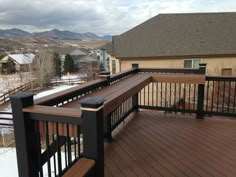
(55, 34)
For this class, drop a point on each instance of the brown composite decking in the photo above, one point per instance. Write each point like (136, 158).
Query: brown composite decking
(115, 94)
(151, 143)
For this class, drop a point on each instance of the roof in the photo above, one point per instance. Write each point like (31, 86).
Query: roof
(86, 59)
(179, 35)
(77, 52)
(22, 58)
(108, 46)
(4, 59)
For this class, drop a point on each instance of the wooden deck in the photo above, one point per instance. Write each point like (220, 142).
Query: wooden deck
(151, 143)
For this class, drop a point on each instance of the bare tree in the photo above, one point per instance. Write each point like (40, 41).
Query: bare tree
(44, 67)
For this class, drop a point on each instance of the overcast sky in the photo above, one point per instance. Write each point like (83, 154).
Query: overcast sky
(97, 16)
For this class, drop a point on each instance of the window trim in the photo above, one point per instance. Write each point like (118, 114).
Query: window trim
(192, 61)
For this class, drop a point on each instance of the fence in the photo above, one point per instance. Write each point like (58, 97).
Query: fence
(5, 97)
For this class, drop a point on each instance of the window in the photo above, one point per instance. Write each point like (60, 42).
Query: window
(113, 66)
(226, 72)
(191, 63)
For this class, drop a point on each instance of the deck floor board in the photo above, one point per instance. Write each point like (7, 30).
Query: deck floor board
(151, 143)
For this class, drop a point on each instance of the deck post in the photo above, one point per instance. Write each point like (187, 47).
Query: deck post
(107, 120)
(93, 134)
(201, 88)
(107, 129)
(106, 75)
(135, 97)
(25, 136)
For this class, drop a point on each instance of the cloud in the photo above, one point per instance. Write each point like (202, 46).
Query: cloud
(99, 16)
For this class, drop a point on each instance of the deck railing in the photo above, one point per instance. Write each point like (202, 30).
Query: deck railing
(61, 137)
(6, 119)
(220, 96)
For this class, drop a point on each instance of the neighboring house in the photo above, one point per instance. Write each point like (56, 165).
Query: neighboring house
(103, 57)
(16, 62)
(84, 62)
(113, 64)
(181, 40)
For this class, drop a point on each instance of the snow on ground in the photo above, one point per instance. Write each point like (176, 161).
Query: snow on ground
(54, 90)
(7, 108)
(8, 163)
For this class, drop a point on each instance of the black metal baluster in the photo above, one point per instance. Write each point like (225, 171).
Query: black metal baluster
(75, 150)
(38, 137)
(175, 97)
(218, 93)
(229, 95)
(152, 94)
(194, 96)
(189, 94)
(170, 95)
(148, 95)
(54, 157)
(157, 94)
(69, 146)
(144, 100)
(47, 148)
(184, 95)
(179, 94)
(161, 94)
(223, 101)
(165, 95)
(213, 92)
(234, 96)
(58, 151)
(207, 94)
(78, 144)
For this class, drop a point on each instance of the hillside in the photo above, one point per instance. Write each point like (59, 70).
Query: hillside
(54, 34)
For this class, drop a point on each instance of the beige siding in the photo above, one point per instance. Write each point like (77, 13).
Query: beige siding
(214, 65)
(117, 69)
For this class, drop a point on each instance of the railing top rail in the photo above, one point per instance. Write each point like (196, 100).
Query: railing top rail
(221, 78)
(122, 74)
(171, 70)
(50, 99)
(82, 88)
(57, 111)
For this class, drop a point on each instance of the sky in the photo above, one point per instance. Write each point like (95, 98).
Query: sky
(98, 16)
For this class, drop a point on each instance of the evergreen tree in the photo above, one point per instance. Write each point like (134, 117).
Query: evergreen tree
(57, 62)
(68, 64)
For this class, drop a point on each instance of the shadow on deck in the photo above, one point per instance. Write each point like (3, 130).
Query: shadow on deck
(151, 143)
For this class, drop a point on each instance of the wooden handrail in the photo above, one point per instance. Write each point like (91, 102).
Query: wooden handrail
(57, 111)
(69, 92)
(179, 78)
(81, 168)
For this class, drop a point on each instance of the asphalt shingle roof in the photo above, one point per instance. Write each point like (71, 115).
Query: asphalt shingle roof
(167, 35)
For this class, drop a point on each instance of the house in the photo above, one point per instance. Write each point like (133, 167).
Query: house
(112, 62)
(16, 62)
(84, 62)
(181, 40)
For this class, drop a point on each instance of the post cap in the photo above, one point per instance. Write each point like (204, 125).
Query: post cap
(202, 64)
(92, 102)
(104, 73)
(22, 95)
